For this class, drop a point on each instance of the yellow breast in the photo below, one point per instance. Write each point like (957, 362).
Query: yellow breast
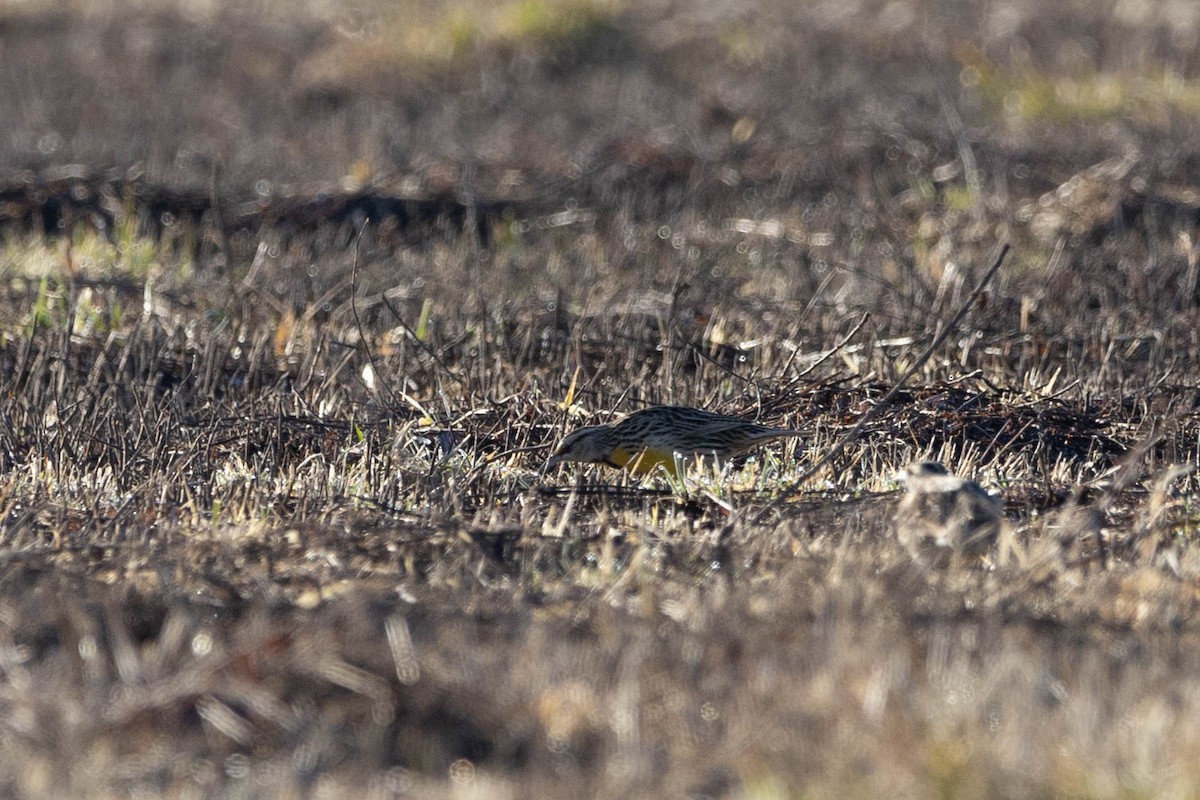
(641, 462)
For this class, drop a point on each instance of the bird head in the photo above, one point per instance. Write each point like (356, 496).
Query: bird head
(586, 444)
(921, 469)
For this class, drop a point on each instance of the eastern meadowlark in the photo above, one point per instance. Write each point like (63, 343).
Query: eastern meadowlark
(663, 435)
(942, 515)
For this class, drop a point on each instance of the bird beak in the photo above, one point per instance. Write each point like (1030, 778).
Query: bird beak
(555, 459)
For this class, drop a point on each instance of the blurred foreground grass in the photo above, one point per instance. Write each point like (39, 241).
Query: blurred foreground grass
(285, 341)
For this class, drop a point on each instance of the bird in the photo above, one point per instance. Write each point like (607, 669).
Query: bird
(664, 436)
(942, 516)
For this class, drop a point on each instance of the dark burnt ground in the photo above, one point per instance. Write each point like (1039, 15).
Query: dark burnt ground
(295, 302)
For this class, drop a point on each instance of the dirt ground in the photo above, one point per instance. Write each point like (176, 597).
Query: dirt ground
(297, 299)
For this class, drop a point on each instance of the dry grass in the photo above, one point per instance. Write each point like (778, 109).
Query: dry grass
(272, 519)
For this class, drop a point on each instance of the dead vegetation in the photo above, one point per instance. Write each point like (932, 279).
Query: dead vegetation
(272, 419)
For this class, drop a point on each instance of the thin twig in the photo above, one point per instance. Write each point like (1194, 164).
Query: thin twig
(362, 336)
(853, 434)
(420, 343)
(837, 347)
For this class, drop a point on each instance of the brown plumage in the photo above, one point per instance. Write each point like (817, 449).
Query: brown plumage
(657, 436)
(942, 516)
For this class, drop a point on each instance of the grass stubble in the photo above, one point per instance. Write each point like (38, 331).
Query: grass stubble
(274, 522)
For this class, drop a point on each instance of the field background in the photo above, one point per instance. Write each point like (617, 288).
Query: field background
(296, 297)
